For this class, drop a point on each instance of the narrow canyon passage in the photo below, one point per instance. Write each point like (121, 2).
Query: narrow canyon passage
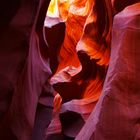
(69, 70)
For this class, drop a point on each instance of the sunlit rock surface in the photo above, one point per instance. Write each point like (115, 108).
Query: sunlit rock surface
(55, 83)
(83, 58)
(116, 115)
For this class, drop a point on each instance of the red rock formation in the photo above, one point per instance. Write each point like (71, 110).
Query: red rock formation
(116, 115)
(83, 59)
(62, 63)
(25, 86)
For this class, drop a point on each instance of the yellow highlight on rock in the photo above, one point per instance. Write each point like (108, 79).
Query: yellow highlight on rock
(53, 9)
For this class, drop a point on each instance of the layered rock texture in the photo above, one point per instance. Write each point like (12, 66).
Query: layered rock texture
(70, 70)
(116, 115)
